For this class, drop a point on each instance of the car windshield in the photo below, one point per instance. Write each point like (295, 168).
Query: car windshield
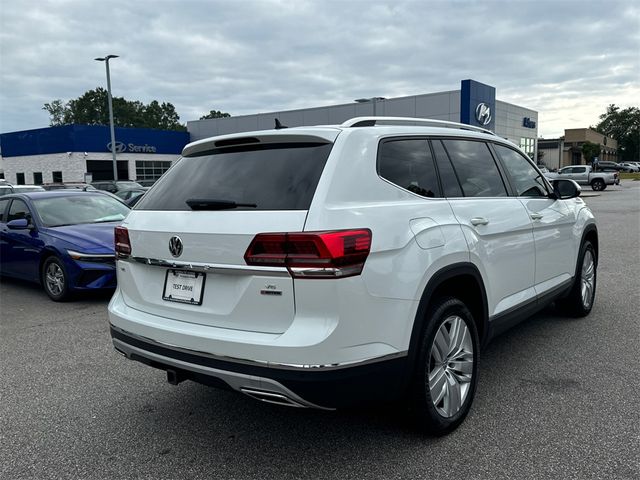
(75, 209)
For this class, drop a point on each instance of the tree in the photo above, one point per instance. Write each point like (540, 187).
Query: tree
(624, 126)
(56, 111)
(215, 114)
(589, 151)
(91, 108)
(541, 154)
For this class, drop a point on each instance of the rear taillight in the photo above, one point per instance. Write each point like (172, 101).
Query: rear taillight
(123, 245)
(334, 254)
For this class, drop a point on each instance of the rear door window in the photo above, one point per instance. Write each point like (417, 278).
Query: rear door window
(408, 164)
(273, 177)
(475, 168)
(450, 183)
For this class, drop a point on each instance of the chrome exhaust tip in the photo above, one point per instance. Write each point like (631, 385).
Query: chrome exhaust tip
(271, 397)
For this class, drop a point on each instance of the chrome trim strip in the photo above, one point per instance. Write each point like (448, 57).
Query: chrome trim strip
(73, 253)
(264, 363)
(208, 267)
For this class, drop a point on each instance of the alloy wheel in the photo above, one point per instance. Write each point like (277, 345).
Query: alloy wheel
(54, 279)
(450, 366)
(588, 278)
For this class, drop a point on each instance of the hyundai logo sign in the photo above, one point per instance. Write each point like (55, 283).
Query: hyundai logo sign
(483, 114)
(120, 147)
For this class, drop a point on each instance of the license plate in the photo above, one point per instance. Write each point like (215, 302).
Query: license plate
(184, 287)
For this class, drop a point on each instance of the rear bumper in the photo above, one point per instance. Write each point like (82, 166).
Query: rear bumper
(327, 387)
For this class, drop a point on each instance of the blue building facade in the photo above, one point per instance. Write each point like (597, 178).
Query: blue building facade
(76, 152)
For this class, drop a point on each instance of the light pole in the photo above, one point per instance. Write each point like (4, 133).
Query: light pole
(373, 100)
(113, 134)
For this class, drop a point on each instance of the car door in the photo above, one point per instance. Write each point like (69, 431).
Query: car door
(23, 245)
(580, 175)
(4, 248)
(553, 220)
(496, 226)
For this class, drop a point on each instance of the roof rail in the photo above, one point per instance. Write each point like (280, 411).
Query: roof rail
(372, 121)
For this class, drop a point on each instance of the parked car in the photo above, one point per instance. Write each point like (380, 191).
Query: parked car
(115, 186)
(325, 266)
(629, 167)
(146, 183)
(62, 239)
(134, 199)
(606, 164)
(68, 185)
(126, 195)
(584, 175)
(6, 188)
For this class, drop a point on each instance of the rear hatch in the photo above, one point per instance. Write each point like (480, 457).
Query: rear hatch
(189, 233)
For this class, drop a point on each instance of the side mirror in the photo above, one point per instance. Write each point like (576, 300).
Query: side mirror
(18, 224)
(565, 189)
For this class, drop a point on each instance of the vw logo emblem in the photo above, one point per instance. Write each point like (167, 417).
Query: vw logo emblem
(483, 114)
(175, 246)
(120, 147)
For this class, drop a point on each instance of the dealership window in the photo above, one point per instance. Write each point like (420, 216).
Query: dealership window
(57, 177)
(20, 178)
(528, 145)
(37, 178)
(151, 169)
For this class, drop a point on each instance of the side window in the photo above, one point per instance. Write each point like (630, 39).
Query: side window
(526, 179)
(450, 184)
(18, 210)
(3, 207)
(477, 171)
(408, 164)
(579, 169)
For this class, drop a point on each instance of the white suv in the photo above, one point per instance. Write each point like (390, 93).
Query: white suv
(323, 266)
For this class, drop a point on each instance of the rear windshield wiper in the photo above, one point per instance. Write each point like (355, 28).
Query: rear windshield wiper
(214, 204)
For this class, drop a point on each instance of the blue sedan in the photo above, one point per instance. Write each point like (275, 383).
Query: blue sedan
(62, 239)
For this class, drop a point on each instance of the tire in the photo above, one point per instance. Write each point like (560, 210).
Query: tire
(581, 298)
(55, 280)
(441, 404)
(598, 185)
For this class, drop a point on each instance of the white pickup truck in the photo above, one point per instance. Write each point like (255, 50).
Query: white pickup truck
(584, 175)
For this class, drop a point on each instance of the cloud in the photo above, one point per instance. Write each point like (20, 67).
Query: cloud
(566, 61)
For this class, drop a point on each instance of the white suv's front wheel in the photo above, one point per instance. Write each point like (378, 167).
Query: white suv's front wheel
(446, 374)
(580, 300)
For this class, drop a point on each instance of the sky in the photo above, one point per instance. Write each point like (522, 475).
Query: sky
(565, 59)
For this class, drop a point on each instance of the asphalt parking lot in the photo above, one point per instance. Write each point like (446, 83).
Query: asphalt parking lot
(557, 398)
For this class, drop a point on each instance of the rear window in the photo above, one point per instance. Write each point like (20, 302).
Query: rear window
(273, 177)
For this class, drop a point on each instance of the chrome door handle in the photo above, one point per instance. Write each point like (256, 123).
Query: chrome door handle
(479, 221)
(536, 216)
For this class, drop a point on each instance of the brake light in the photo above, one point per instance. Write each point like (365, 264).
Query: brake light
(332, 254)
(123, 244)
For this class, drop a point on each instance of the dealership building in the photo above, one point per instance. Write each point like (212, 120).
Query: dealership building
(74, 153)
(474, 104)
